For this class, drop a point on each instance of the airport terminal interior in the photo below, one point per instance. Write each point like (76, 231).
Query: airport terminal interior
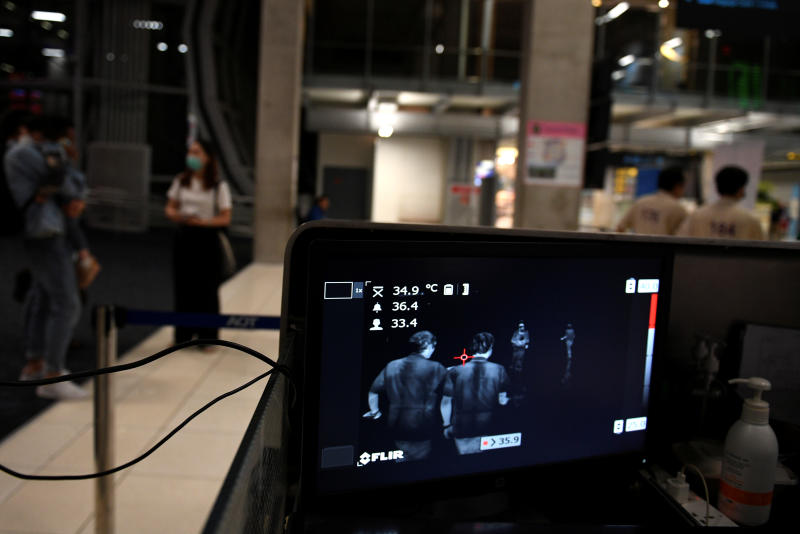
(574, 175)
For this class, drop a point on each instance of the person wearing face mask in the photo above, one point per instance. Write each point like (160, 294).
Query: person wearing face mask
(199, 202)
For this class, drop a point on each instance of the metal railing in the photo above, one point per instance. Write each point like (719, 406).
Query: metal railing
(107, 320)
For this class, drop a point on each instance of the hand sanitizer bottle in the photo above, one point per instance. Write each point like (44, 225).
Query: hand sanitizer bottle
(750, 457)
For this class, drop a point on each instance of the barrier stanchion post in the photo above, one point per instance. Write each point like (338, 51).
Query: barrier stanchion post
(104, 420)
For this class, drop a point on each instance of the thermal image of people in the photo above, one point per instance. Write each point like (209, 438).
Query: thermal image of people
(412, 386)
(520, 342)
(472, 393)
(569, 339)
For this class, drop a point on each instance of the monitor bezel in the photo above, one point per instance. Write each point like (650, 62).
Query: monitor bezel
(314, 245)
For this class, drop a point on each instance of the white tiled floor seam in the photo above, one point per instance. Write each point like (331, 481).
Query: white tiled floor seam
(42, 469)
(175, 490)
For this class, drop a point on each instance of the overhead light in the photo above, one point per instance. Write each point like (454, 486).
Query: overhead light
(63, 34)
(52, 16)
(713, 34)
(663, 4)
(617, 75)
(387, 107)
(439, 48)
(110, 56)
(5, 67)
(6, 32)
(668, 49)
(385, 131)
(506, 155)
(11, 6)
(597, 3)
(618, 10)
(162, 46)
(183, 48)
(613, 13)
(624, 61)
(53, 52)
(140, 24)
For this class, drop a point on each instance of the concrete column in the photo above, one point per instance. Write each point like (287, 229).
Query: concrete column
(278, 124)
(556, 77)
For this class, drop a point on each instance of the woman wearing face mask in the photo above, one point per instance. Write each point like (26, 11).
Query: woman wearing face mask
(200, 203)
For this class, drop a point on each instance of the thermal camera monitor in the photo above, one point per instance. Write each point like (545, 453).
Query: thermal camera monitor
(439, 366)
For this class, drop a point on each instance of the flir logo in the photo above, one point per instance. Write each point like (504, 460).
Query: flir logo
(367, 457)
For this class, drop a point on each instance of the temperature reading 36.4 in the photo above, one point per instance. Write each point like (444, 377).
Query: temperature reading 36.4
(404, 306)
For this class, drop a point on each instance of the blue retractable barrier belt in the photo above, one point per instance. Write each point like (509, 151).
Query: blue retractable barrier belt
(201, 320)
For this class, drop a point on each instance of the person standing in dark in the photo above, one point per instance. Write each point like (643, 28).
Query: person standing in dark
(199, 202)
(320, 208)
(569, 339)
(12, 130)
(472, 394)
(41, 183)
(412, 386)
(520, 341)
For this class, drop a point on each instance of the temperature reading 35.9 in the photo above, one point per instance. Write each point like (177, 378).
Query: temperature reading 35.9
(501, 441)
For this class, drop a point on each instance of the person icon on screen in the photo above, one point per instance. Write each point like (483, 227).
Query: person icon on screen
(412, 386)
(376, 325)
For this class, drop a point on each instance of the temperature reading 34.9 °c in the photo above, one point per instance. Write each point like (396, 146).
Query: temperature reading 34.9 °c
(405, 291)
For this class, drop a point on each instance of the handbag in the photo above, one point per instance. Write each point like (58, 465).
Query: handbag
(227, 267)
(227, 259)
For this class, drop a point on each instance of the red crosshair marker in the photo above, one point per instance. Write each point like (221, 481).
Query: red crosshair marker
(464, 357)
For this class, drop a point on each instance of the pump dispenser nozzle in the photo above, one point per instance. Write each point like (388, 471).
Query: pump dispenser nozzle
(755, 410)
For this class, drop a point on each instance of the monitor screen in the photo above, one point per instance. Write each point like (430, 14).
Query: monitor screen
(437, 364)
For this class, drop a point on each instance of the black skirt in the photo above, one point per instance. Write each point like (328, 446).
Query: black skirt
(197, 261)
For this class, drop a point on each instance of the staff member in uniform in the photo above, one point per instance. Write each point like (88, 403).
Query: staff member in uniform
(724, 219)
(659, 213)
(412, 386)
(200, 203)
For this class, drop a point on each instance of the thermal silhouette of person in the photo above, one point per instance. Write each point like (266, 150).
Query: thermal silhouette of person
(471, 395)
(412, 386)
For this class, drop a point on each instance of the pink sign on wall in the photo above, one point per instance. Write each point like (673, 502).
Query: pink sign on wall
(555, 153)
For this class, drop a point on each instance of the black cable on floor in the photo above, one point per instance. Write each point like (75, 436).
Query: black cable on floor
(144, 361)
(118, 368)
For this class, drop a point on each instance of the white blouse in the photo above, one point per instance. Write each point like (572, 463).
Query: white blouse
(194, 201)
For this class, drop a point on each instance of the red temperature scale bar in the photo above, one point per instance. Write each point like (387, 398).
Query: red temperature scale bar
(651, 334)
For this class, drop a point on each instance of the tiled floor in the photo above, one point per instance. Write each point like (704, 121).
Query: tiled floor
(172, 490)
